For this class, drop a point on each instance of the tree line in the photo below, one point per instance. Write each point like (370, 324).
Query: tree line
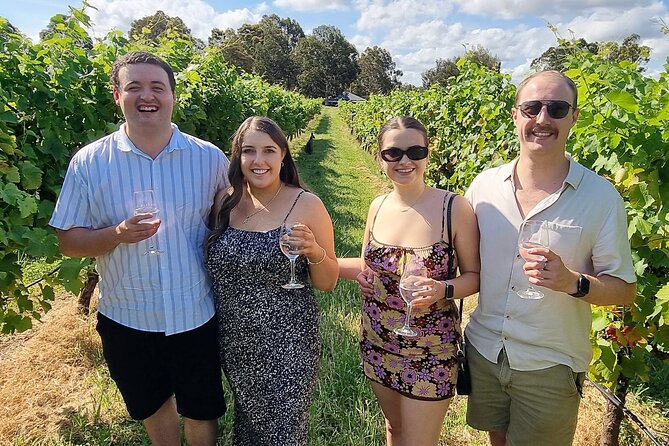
(324, 63)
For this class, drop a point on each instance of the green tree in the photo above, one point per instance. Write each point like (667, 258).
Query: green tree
(327, 62)
(265, 48)
(377, 73)
(448, 68)
(274, 49)
(628, 50)
(482, 57)
(559, 57)
(439, 75)
(151, 28)
(233, 48)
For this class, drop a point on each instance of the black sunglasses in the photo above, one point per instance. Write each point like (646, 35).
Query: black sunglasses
(393, 154)
(556, 109)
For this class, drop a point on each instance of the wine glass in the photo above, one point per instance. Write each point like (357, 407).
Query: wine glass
(286, 249)
(146, 204)
(413, 272)
(533, 234)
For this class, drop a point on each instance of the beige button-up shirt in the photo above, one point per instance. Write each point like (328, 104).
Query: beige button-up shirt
(587, 227)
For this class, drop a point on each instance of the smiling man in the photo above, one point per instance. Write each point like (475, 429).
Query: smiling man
(155, 314)
(528, 357)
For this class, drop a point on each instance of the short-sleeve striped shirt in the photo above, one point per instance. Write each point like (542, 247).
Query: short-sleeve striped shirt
(169, 292)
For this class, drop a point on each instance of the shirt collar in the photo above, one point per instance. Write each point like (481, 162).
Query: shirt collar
(574, 176)
(177, 141)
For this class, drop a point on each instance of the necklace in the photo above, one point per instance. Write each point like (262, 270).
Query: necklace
(406, 209)
(264, 206)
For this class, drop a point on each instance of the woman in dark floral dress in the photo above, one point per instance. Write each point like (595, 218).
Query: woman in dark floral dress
(269, 336)
(413, 377)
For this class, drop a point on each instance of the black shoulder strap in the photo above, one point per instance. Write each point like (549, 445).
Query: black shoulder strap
(448, 219)
(451, 196)
(293, 206)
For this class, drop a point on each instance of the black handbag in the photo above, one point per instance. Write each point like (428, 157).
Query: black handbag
(464, 383)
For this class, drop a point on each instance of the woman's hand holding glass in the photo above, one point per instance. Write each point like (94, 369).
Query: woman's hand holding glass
(296, 239)
(432, 291)
(410, 284)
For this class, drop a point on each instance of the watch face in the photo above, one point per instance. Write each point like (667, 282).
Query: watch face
(582, 286)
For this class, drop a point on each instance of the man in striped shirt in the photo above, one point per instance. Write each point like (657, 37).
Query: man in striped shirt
(156, 310)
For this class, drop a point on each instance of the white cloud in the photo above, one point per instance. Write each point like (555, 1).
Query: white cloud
(509, 9)
(198, 15)
(659, 54)
(312, 5)
(419, 46)
(391, 14)
(519, 72)
(362, 42)
(614, 25)
(432, 34)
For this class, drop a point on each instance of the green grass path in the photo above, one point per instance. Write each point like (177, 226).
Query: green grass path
(346, 179)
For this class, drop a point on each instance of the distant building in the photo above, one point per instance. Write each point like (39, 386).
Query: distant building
(333, 101)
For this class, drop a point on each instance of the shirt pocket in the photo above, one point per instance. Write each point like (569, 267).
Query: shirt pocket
(565, 241)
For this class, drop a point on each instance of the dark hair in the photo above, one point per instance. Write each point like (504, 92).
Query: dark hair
(401, 122)
(288, 173)
(136, 57)
(550, 73)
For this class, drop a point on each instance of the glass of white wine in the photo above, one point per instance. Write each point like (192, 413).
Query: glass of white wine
(533, 234)
(145, 204)
(287, 250)
(413, 272)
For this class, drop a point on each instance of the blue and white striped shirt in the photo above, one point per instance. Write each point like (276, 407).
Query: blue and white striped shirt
(169, 292)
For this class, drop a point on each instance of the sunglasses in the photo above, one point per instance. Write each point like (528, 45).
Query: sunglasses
(393, 154)
(556, 109)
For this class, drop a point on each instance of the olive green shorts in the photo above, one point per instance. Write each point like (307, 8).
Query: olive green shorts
(537, 407)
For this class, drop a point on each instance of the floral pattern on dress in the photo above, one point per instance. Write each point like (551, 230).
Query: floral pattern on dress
(423, 366)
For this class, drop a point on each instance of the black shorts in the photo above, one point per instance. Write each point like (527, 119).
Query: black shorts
(149, 367)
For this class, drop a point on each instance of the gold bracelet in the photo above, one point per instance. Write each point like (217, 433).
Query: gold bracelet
(320, 261)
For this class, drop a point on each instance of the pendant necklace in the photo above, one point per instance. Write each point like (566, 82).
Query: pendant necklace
(264, 206)
(414, 202)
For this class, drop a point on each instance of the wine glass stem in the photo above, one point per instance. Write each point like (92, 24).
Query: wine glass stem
(292, 270)
(407, 321)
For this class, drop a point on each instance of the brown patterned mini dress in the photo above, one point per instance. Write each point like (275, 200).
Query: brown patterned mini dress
(421, 367)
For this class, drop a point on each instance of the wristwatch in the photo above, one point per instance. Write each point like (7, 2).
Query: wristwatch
(582, 286)
(448, 292)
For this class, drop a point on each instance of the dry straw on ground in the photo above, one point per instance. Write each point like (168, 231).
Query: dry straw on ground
(43, 374)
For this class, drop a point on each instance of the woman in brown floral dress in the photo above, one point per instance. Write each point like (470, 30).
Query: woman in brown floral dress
(413, 377)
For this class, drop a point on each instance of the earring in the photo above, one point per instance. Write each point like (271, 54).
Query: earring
(281, 163)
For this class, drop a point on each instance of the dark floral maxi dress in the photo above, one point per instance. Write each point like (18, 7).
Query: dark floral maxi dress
(421, 367)
(269, 338)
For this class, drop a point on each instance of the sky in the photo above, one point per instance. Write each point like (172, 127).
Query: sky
(416, 33)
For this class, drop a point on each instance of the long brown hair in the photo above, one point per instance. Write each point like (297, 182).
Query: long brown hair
(288, 173)
(401, 122)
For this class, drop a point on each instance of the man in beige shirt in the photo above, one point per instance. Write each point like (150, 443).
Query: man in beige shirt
(528, 357)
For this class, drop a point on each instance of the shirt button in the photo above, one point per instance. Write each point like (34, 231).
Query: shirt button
(517, 256)
(513, 288)
(507, 316)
